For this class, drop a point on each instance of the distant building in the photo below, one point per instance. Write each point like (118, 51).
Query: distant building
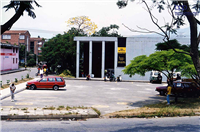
(112, 54)
(9, 57)
(36, 45)
(18, 37)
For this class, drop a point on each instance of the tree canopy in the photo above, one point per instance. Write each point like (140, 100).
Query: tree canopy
(186, 9)
(110, 31)
(61, 50)
(83, 24)
(19, 7)
(162, 61)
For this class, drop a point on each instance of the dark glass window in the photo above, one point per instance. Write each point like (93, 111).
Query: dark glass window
(32, 47)
(59, 79)
(51, 79)
(43, 80)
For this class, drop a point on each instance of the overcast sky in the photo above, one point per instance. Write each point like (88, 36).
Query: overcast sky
(52, 16)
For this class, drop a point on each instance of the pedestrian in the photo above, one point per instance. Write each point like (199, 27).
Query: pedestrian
(178, 78)
(169, 89)
(45, 71)
(41, 72)
(12, 90)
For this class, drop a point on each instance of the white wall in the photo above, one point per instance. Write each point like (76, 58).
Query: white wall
(136, 46)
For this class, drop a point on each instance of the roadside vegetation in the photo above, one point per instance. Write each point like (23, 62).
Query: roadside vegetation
(16, 82)
(184, 107)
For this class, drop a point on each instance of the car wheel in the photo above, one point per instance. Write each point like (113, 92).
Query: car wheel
(55, 87)
(162, 93)
(32, 87)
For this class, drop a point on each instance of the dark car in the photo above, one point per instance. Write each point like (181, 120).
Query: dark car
(181, 89)
(54, 82)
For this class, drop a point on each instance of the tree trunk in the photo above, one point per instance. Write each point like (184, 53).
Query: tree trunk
(8, 24)
(193, 38)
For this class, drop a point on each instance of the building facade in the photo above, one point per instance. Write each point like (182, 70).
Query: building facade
(114, 53)
(36, 45)
(9, 57)
(18, 37)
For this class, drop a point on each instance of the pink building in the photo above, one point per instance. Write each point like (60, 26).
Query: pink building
(9, 57)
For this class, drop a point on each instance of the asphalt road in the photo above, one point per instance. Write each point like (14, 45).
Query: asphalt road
(18, 75)
(106, 96)
(175, 124)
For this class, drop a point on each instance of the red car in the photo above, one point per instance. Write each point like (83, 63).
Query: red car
(181, 88)
(47, 82)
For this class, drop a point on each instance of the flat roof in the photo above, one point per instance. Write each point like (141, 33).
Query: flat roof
(95, 38)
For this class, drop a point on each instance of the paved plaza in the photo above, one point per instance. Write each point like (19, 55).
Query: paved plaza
(105, 96)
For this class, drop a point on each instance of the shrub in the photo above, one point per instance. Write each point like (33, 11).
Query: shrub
(8, 81)
(22, 78)
(67, 72)
(27, 76)
(16, 80)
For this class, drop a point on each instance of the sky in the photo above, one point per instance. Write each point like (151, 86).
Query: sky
(52, 16)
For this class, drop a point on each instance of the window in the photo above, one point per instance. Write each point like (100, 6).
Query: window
(16, 60)
(39, 48)
(59, 79)
(13, 60)
(6, 36)
(32, 47)
(13, 50)
(21, 37)
(43, 80)
(51, 79)
(178, 84)
(16, 50)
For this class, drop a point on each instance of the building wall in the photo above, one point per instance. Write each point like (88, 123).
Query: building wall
(7, 56)
(136, 46)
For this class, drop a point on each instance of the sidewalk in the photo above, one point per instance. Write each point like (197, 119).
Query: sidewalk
(12, 71)
(41, 113)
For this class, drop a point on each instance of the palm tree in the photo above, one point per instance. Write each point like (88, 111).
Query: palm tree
(20, 7)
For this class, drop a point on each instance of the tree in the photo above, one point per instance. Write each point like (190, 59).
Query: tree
(61, 50)
(83, 25)
(185, 10)
(20, 7)
(162, 61)
(110, 31)
(175, 45)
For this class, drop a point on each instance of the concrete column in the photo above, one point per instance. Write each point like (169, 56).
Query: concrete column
(115, 57)
(103, 60)
(90, 58)
(77, 58)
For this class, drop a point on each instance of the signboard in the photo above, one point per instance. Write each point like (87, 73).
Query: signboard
(121, 61)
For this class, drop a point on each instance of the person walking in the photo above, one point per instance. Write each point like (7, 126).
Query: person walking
(169, 89)
(12, 90)
(41, 72)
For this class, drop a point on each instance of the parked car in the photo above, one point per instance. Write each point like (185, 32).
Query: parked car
(181, 89)
(54, 82)
(155, 76)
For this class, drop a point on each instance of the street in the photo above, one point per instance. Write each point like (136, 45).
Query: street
(175, 124)
(18, 75)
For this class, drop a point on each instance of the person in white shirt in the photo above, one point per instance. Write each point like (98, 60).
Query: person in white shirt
(41, 72)
(12, 91)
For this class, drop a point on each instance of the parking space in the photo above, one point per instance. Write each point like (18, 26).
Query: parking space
(105, 96)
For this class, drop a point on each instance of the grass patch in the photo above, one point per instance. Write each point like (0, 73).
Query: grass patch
(184, 107)
(60, 107)
(16, 83)
(96, 110)
(49, 108)
(24, 109)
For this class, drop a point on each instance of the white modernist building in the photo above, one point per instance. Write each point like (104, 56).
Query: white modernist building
(134, 46)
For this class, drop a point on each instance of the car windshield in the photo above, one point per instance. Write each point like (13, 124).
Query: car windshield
(156, 73)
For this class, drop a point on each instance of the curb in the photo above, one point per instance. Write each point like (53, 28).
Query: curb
(141, 81)
(62, 117)
(13, 72)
